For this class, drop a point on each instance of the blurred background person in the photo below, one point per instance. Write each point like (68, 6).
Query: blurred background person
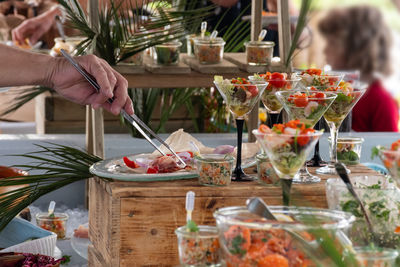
(357, 38)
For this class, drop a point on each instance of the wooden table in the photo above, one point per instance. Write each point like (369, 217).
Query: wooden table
(133, 223)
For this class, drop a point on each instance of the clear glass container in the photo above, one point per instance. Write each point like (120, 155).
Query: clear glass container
(214, 169)
(209, 51)
(167, 53)
(190, 44)
(55, 224)
(265, 172)
(381, 200)
(376, 257)
(259, 52)
(198, 249)
(246, 236)
(348, 149)
(136, 59)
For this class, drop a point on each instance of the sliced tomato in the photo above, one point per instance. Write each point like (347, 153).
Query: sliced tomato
(301, 101)
(152, 170)
(253, 90)
(130, 163)
(313, 71)
(277, 79)
(396, 145)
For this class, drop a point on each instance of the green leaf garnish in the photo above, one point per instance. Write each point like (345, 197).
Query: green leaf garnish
(192, 226)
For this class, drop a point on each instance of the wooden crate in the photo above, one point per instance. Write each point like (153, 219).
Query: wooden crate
(132, 223)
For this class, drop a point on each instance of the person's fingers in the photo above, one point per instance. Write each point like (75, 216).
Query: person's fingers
(129, 106)
(94, 66)
(35, 36)
(120, 94)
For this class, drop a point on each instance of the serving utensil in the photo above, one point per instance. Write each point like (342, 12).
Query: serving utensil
(60, 28)
(132, 119)
(52, 205)
(189, 205)
(262, 35)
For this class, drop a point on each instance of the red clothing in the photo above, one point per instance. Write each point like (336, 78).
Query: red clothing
(376, 111)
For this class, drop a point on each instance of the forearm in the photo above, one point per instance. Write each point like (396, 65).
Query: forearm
(19, 67)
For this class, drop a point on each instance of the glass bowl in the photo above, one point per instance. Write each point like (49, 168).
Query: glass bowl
(322, 81)
(198, 249)
(190, 44)
(265, 172)
(391, 160)
(376, 257)
(249, 240)
(209, 51)
(259, 52)
(55, 224)
(168, 53)
(381, 199)
(214, 169)
(348, 149)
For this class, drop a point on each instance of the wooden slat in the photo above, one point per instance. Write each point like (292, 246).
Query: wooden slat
(129, 68)
(220, 68)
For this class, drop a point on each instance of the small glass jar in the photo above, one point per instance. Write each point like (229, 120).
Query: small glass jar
(259, 52)
(168, 53)
(349, 150)
(265, 172)
(214, 169)
(209, 51)
(136, 59)
(190, 44)
(376, 257)
(55, 224)
(198, 249)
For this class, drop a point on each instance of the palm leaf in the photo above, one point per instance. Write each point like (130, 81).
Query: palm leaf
(301, 23)
(22, 96)
(61, 165)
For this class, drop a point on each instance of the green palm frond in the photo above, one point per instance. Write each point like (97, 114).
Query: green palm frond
(301, 24)
(23, 95)
(120, 34)
(61, 165)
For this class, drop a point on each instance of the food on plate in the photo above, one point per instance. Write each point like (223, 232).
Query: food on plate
(198, 246)
(55, 222)
(240, 94)
(81, 232)
(287, 145)
(209, 51)
(214, 169)
(315, 77)
(13, 259)
(168, 53)
(276, 82)
(259, 52)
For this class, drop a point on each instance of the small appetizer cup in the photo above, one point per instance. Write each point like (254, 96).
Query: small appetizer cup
(348, 150)
(214, 169)
(56, 224)
(198, 248)
(136, 59)
(377, 257)
(259, 52)
(265, 172)
(190, 44)
(168, 53)
(209, 51)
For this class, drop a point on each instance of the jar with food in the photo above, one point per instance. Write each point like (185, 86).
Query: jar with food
(136, 59)
(214, 169)
(265, 172)
(348, 149)
(209, 50)
(55, 222)
(198, 247)
(259, 52)
(168, 53)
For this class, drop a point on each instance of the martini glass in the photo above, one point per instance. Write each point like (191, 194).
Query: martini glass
(287, 154)
(276, 82)
(316, 78)
(391, 160)
(240, 99)
(347, 97)
(308, 107)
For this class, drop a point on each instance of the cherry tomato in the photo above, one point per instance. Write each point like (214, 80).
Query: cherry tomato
(301, 101)
(277, 79)
(152, 170)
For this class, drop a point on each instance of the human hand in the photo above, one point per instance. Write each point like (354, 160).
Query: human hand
(69, 83)
(34, 28)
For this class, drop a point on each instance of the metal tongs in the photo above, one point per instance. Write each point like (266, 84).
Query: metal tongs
(133, 119)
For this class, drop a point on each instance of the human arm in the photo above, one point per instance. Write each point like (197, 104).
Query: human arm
(19, 67)
(35, 27)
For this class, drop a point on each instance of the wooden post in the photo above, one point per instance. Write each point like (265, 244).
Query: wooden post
(284, 31)
(256, 19)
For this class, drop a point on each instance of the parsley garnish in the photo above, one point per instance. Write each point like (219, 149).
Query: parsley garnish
(192, 226)
(237, 242)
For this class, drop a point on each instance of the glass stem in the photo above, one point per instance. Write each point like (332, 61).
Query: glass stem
(286, 186)
(239, 125)
(334, 135)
